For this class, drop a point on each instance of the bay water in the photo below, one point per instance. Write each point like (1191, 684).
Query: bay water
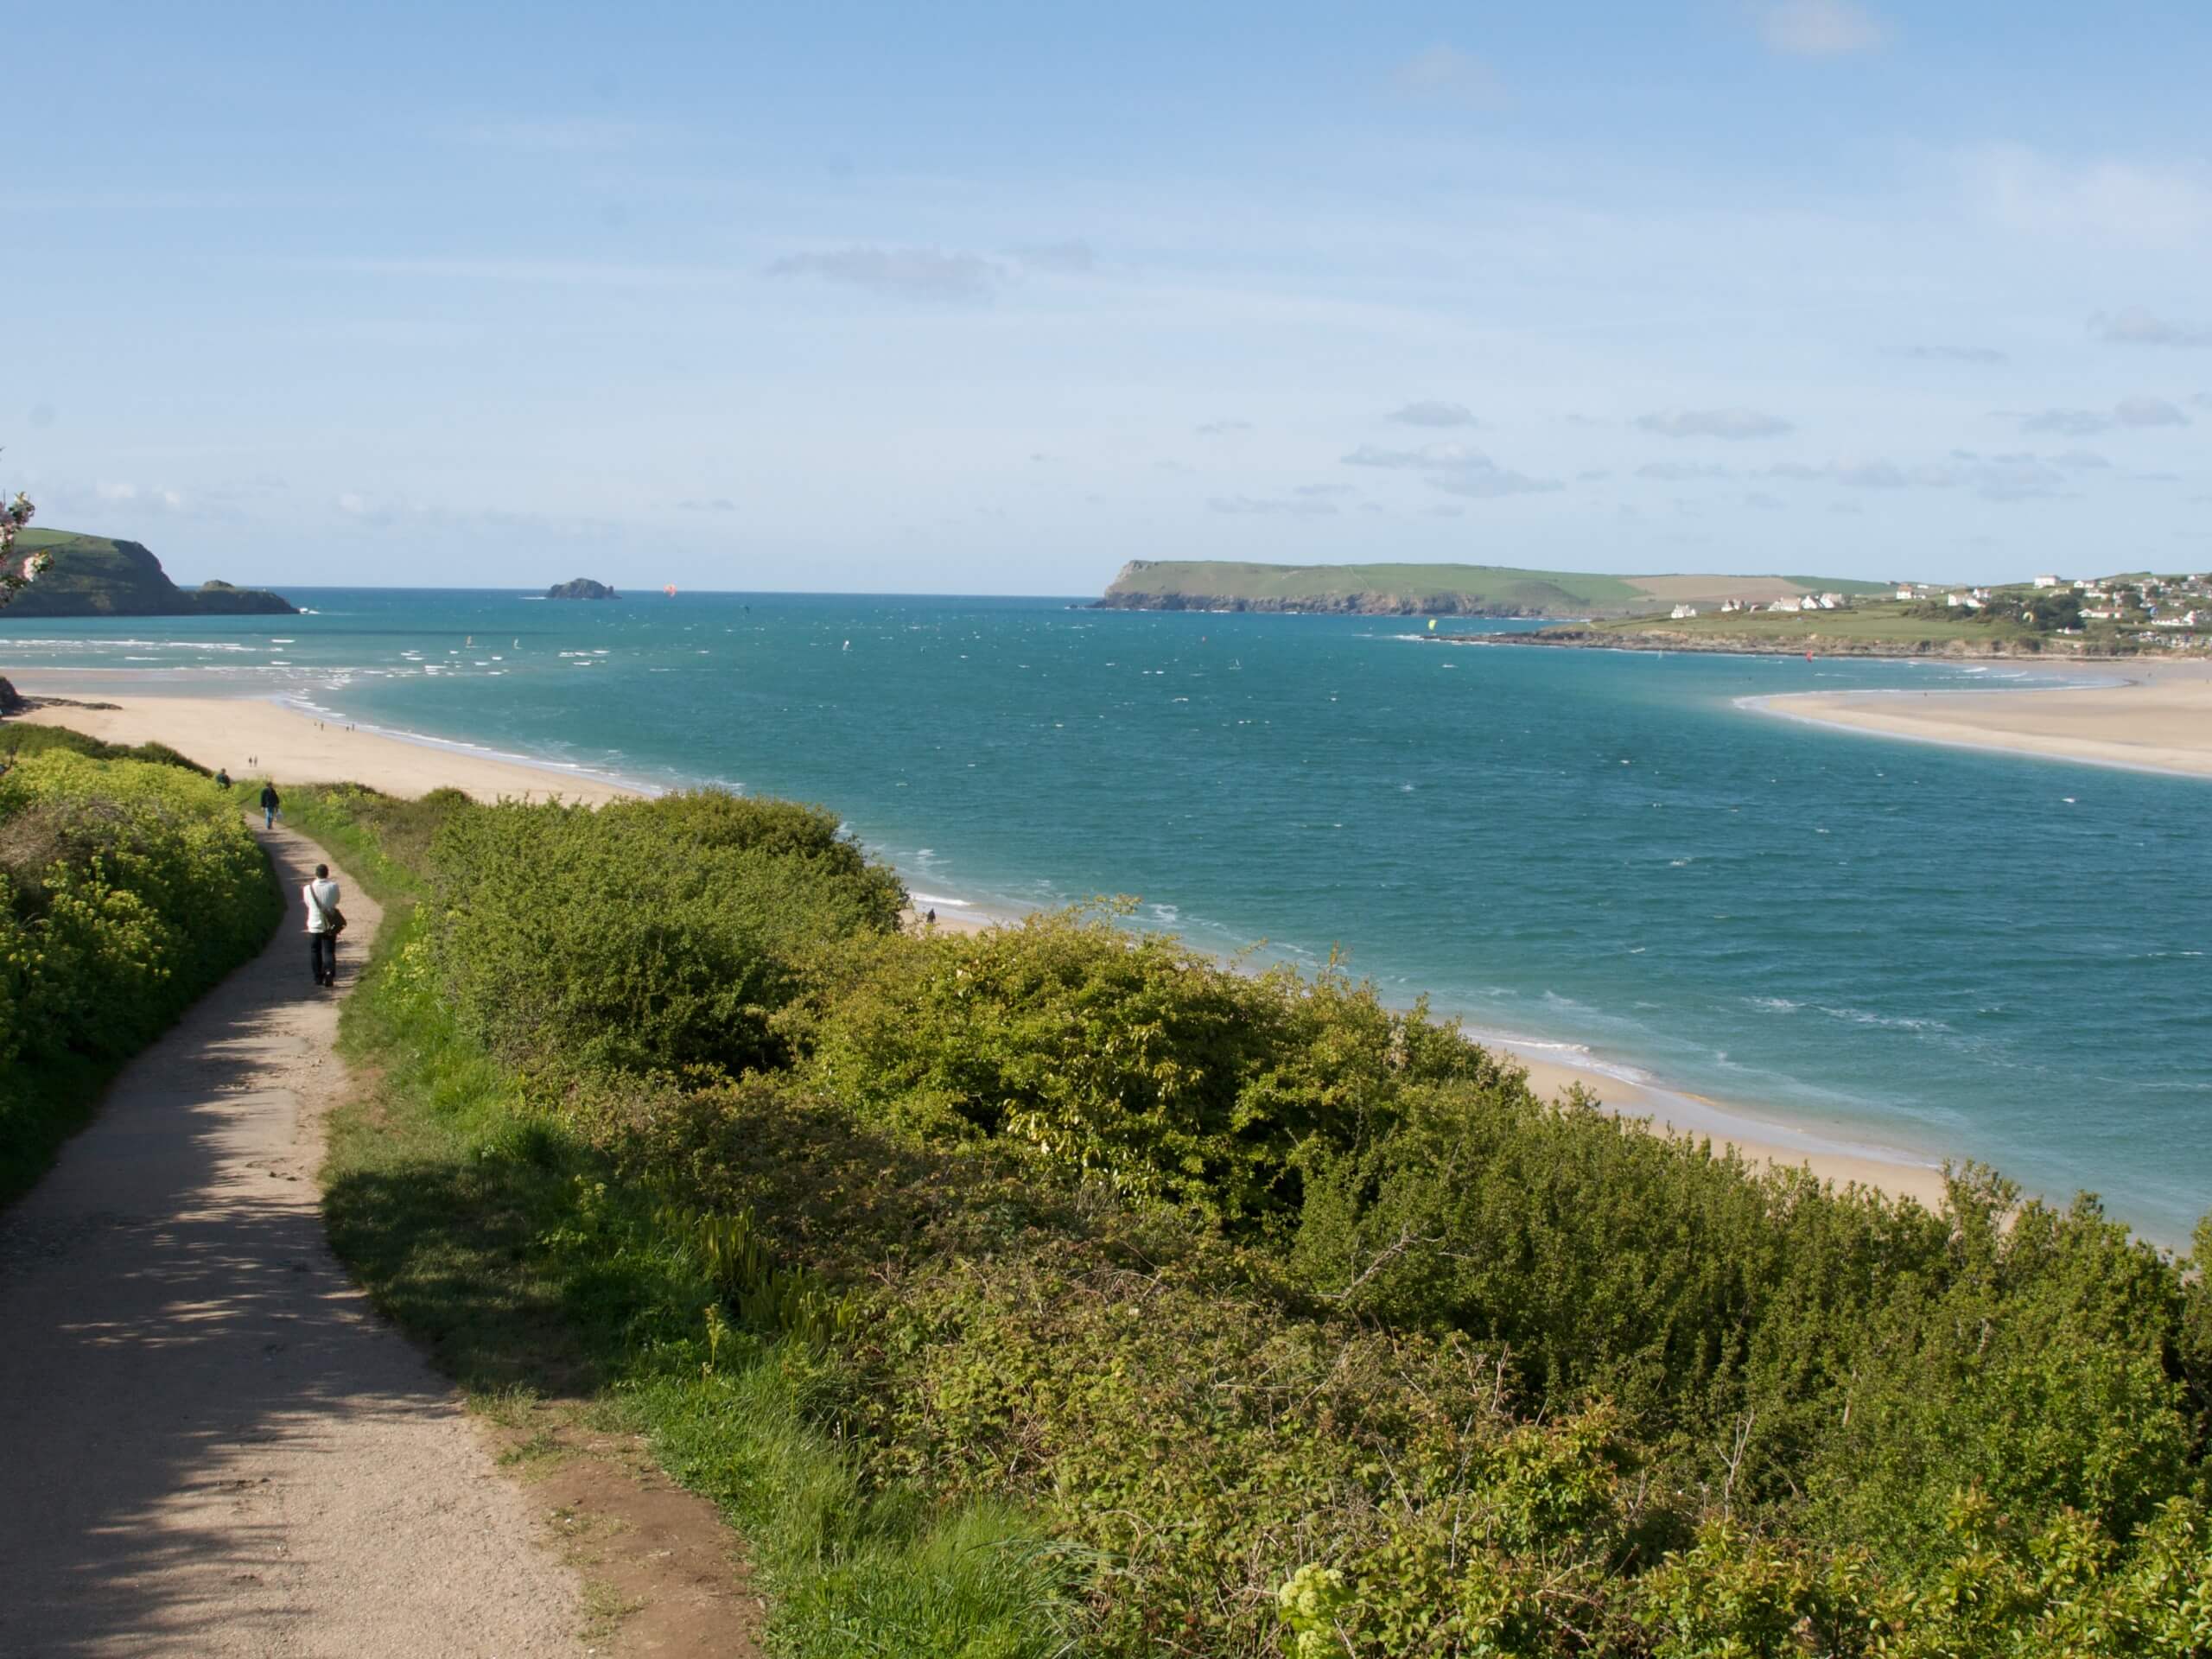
(1884, 945)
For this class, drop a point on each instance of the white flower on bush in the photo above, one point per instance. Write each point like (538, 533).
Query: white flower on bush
(13, 517)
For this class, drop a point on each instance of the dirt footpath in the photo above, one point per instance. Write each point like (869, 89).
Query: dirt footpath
(209, 1445)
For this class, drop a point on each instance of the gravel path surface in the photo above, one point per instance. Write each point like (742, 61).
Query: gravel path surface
(210, 1445)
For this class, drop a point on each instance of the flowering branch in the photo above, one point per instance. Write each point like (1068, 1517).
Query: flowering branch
(13, 579)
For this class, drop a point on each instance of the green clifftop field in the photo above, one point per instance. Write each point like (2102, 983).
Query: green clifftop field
(97, 576)
(1433, 589)
(2122, 615)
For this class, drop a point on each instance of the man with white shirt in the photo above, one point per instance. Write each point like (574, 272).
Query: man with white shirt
(324, 921)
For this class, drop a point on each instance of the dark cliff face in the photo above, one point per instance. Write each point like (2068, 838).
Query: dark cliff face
(92, 576)
(581, 587)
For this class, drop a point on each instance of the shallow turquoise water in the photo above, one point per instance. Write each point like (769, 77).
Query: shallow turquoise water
(1900, 946)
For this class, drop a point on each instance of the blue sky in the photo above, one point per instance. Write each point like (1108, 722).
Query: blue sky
(991, 298)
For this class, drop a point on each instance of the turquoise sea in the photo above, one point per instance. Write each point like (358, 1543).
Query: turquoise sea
(1886, 946)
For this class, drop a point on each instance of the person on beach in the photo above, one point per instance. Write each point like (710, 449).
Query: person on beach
(325, 922)
(270, 800)
(222, 778)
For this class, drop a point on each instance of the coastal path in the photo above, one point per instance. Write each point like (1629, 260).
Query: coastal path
(211, 1445)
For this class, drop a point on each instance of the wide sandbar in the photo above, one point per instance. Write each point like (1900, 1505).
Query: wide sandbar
(2156, 717)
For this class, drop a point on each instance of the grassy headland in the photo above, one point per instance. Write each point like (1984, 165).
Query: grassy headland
(1430, 589)
(129, 885)
(97, 576)
(1051, 1287)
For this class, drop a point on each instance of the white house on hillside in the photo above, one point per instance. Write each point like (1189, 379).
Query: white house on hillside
(2047, 581)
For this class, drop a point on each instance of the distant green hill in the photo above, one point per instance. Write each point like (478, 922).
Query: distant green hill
(95, 575)
(1435, 589)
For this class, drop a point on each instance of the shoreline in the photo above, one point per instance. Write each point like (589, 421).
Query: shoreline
(2158, 721)
(294, 747)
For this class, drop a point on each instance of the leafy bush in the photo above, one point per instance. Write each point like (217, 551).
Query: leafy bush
(647, 934)
(1302, 1324)
(126, 889)
(1132, 1060)
(18, 740)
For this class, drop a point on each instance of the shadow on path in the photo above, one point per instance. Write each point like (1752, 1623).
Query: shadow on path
(212, 1446)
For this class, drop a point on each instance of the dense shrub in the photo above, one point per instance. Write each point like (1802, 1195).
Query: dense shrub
(126, 889)
(668, 932)
(17, 740)
(1302, 1323)
(1131, 1059)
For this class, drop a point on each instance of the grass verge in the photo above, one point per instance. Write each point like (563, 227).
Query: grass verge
(502, 1244)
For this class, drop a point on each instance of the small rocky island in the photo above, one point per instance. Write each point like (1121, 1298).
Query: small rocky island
(97, 576)
(581, 587)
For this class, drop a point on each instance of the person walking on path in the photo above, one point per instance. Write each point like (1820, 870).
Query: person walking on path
(270, 800)
(325, 922)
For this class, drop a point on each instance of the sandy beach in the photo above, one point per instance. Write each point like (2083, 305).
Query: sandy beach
(294, 748)
(251, 738)
(2158, 720)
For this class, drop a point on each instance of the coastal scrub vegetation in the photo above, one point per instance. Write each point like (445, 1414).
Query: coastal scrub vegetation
(1058, 1288)
(127, 887)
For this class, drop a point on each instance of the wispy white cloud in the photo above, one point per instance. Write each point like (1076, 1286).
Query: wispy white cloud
(1297, 508)
(558, 136)
(1677, 472)
(2067, 423)
(1818, 28)
(2136, 411)
(1075, 257)
(1433, 412)
(1994, 478)
(2148, 411)
(912, 273)
(1733, 424)
(2126, 201)
(1488, 481)
(2134, 326)
(1978, 354)
(1455, 468)
(1446, 72)
(1221, 429)
(1428, 458)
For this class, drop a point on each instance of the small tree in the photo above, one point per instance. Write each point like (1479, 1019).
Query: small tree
(13, 579)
